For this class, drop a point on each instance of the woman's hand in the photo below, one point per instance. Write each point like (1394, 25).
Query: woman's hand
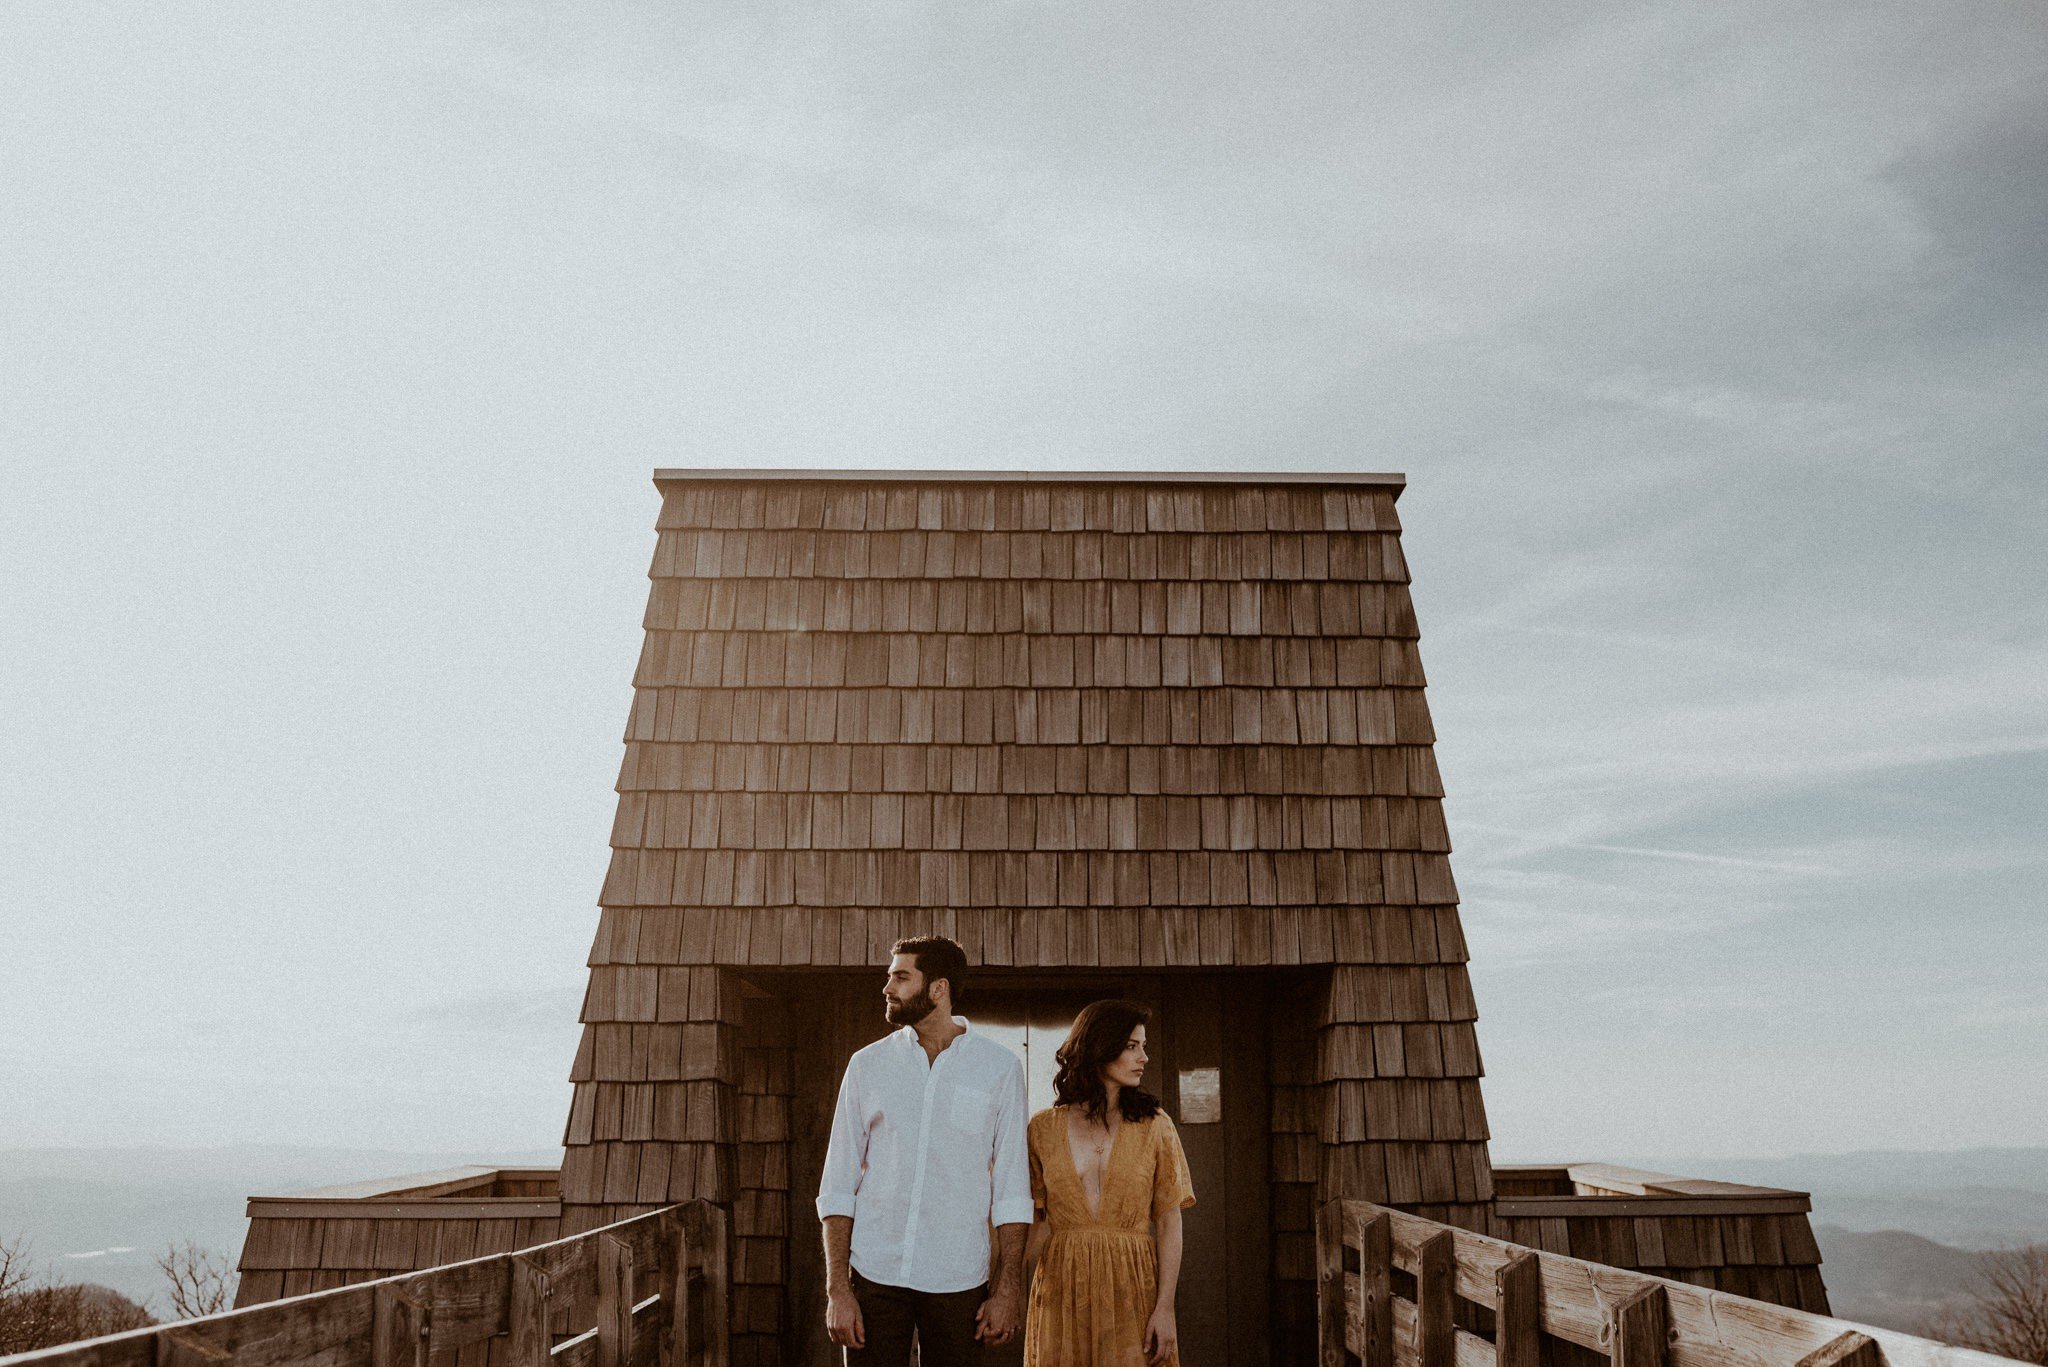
(1161, 1337)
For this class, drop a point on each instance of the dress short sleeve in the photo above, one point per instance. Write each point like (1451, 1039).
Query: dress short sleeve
(1172, 1187)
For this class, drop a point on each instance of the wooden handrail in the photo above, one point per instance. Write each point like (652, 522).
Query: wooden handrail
(652, 1290)
(1631, 1318)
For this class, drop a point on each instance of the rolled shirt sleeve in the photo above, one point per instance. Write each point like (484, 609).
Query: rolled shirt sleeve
(1011, 1171)
(845, 1150)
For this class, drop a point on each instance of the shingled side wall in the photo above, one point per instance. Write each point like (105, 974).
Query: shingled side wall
(1089, 724)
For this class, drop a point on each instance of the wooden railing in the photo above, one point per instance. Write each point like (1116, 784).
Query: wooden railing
(1464, 1300)
(645, 1292)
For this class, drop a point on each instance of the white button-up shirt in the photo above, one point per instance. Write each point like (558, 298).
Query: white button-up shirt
(925, 1155)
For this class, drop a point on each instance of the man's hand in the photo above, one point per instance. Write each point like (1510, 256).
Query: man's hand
(996, 1321)
(1161, 1337)
(842, 1319)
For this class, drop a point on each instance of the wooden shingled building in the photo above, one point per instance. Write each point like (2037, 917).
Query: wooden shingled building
(1154, 736)
(1157, 736)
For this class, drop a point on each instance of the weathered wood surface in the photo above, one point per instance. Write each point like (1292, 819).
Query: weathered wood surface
(529, 1314)
(1373, 1301)
(401, 1321)
(1852, 1349)
(1633, 1318)
(702, 1332)
(1435, 1290)
(1518, 1311)
(176, 1348)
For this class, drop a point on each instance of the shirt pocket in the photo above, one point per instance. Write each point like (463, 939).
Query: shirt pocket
(970, 1109)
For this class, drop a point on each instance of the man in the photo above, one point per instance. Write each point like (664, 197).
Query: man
(927, 1151)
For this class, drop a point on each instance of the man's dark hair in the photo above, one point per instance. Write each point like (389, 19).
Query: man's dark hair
(937, 957)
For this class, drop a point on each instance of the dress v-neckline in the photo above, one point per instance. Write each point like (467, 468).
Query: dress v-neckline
(1116, 1137)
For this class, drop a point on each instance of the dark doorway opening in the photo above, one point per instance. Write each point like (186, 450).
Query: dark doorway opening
(1209, 1044)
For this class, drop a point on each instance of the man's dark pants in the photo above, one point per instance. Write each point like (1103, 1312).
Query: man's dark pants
(942, 1320)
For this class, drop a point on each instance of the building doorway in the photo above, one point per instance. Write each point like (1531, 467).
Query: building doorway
(1208, 1046)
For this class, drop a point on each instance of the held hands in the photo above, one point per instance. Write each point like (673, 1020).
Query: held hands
(996, 1321)
(1161, 1337)
(842, 1319)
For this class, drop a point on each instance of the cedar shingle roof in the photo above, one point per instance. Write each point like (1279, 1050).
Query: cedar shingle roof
(1081, 719)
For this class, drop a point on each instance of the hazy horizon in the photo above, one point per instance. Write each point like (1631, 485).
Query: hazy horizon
(345, 339)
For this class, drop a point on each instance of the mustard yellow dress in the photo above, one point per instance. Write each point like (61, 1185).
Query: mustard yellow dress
(1098, 1274)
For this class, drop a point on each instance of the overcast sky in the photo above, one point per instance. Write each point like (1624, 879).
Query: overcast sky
(340, 340)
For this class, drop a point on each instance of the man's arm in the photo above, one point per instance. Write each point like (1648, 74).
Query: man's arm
(838, 1185)
(1010, 1211)
(842, 1309)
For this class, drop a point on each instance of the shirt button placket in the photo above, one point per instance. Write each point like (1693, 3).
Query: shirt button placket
(924, 1148)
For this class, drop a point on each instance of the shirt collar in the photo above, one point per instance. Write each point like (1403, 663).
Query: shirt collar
(908, 1034)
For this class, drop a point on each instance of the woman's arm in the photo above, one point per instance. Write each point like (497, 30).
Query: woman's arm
(1162, 1335)
(1034, 1243)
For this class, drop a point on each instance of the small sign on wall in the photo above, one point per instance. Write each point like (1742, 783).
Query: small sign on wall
(1201, 1096)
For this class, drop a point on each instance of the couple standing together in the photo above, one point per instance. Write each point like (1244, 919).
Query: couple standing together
(930, 1149)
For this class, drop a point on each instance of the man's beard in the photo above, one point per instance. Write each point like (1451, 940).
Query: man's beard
(910, 1010)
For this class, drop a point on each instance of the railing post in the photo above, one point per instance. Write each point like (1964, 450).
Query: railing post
(1639, 1329)
(401, 1329)
(1374, 1236)
(707, 1341)
(1436, 1280)
(1331, 1349)
(1518, 1312)
(675, 1273)
(615, 1297)
(530, 1316)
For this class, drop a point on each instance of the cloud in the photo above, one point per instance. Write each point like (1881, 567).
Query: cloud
(1706, 337)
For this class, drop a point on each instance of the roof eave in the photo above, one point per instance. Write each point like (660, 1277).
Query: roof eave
(1384, 480)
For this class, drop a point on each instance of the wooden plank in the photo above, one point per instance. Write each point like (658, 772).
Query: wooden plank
(1373, 1236)
(1647, 1207)
(468, 1299)
(445, 1181)
(645, 1326)
(530, 1314)
(1640, 1328)
(681, 1339)
(481, 1208)
(1851, 1349)
(1436, 1278)
(183, 1348)
(1469, 1349)
(1518, 1311)
(402, 1328)
(1643, 1182)
(705, 1235)
(1330, 1317)
(614, 1301)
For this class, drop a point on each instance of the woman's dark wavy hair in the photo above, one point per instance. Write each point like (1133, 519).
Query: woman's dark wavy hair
(1100, 1033)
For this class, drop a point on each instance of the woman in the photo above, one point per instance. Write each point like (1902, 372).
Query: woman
(1109, 1182)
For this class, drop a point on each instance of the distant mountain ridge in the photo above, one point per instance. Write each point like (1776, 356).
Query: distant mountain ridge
(1895, 1279)
(1968, 1198)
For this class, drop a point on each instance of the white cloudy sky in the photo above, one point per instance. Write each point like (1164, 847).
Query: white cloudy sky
(340, 340)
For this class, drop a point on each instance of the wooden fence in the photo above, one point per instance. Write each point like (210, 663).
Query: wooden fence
(1396, 1290)
(645, 1292)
